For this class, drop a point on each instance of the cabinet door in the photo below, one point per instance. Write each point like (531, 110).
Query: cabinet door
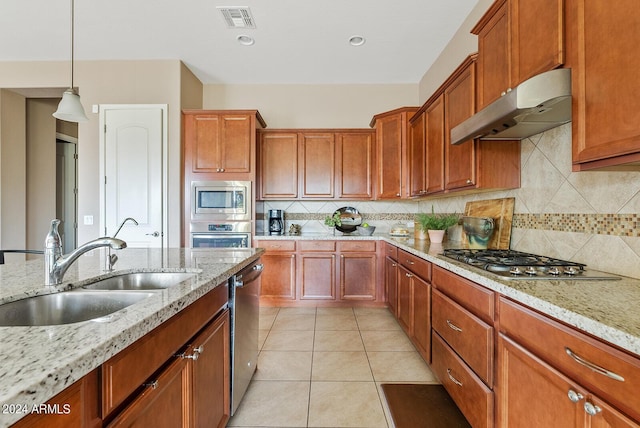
(391, 284)
(493, 54)
(354, 165)
(603, 39)
(278, 154)
(317, 163)
(317, 276)
(405, 300)
(417, 156)
(537, 37)
(202, 142)
(278, 276)
(531, 393)
(235, 143)
(389, 137)
(460, 159)
(422, 317)
(358, 276)
(211, 383)
(165, 401)
(434, 156)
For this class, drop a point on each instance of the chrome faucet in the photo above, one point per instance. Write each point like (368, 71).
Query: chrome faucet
(112, 258)
(56, 264)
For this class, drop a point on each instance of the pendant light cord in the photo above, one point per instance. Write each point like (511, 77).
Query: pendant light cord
(72, 38)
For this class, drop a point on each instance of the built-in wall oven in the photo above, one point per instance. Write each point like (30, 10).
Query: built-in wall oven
(229, 234)
(221, 214)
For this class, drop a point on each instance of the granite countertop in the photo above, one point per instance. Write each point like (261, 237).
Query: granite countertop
(603, 308)
(36, 363)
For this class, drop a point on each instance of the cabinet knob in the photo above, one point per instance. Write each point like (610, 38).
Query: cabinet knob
(469, 181)
(574, 396)
(591, 408)
(408, 275)
(152, 385)
(394, 264)
(398, 194)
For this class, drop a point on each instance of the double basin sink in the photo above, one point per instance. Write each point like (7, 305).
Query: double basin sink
(94, 301)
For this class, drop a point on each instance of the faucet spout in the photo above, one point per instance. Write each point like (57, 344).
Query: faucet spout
(57, 264)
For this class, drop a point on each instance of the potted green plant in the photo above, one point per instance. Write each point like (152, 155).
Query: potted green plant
(333, 221)
(434, 225)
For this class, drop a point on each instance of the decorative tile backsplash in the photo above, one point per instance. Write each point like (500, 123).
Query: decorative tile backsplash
(588, 217)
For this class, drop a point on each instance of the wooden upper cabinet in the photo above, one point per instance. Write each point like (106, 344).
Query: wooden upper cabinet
(221, 143)
(435, 141)
(278, 153)
(602, 53)
(459, 99)
(493, 53)
(517, 39)
(317, 165)
(392, 131)
(354, 165)
(417, 156)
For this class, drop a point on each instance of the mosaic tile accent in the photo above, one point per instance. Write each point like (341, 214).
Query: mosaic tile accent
(597, 224)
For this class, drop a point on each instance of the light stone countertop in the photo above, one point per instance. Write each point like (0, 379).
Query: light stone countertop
(36, 363)
(606, 309)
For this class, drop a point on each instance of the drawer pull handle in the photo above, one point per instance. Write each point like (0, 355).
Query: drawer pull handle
(591, 409)
(574, 397)
(452, 326)
(596, 368)
(409, 262)
(453, 379)
(408, 275)
(153, 385)
(394, 264)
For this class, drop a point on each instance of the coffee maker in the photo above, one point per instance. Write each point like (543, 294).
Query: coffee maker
(276, 222)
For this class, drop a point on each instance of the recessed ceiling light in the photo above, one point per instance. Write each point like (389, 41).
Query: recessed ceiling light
(356, 40)
(243, 39)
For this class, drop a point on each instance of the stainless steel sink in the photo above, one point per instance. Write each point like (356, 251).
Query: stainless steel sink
(67, 307)
(140, 281)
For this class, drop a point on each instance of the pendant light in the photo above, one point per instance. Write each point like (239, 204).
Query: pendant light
(70, 107)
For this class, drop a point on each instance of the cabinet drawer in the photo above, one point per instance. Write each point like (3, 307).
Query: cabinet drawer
(472, 396)
(317, 245)
(473, 297)
(391, 251)
(367, 246)
(467, 334)
(277, 245)
(126, 371)
(415, 264)
(552, 341)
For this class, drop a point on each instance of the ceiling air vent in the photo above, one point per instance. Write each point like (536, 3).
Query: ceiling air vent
(237, 16)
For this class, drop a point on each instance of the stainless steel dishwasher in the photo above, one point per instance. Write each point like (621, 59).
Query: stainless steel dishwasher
(244, 302)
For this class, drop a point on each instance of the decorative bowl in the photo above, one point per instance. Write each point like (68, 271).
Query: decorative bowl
(366, 231)
(478, 230)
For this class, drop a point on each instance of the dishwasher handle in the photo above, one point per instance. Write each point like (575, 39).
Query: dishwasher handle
(248, 275)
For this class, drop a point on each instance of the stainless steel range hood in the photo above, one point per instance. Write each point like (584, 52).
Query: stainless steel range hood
(537, 104)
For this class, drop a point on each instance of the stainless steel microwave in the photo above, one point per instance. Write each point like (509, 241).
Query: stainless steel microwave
(221, 200)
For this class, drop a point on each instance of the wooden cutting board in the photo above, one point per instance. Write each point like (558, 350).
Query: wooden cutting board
(501, 210)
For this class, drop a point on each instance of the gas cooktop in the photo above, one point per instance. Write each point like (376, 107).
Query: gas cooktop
(510, 264)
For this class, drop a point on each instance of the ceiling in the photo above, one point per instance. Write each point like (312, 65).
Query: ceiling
(296, 41)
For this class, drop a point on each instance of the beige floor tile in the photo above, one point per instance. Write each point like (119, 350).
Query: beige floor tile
(298, 311)
(334, 311)
(266, 319)
(336, 322)
(290, 321)
(386, 340)
(262, 336)
(377, 321)
(345, 404)
(289, 340)
(400, 367)
(284, 365)
(363, 310)
(338, 341)
(273, 404)
(341, 366)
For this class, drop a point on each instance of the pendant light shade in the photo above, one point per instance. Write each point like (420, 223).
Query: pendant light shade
(70, 107)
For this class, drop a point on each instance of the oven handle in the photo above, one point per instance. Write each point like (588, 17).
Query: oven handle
(248, 275)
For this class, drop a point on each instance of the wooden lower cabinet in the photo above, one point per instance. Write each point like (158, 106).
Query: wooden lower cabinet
(76, 406)
(422, 317)
(532, 393)
(391, 283)
(278, 281)
(405, 300)
(317, 276)
(358, 276)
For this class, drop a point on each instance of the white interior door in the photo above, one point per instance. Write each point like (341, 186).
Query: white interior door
(134, 138)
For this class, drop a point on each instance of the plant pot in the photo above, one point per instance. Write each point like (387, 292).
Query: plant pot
(420, 235)
(436, 236)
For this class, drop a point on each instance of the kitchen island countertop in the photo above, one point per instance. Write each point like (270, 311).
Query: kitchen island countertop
(607, 309)
(36, 363)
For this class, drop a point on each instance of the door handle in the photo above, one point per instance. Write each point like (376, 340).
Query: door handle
(154, 234)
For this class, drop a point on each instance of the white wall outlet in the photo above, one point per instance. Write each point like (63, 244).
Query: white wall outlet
(88, 220)
(95, 108)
